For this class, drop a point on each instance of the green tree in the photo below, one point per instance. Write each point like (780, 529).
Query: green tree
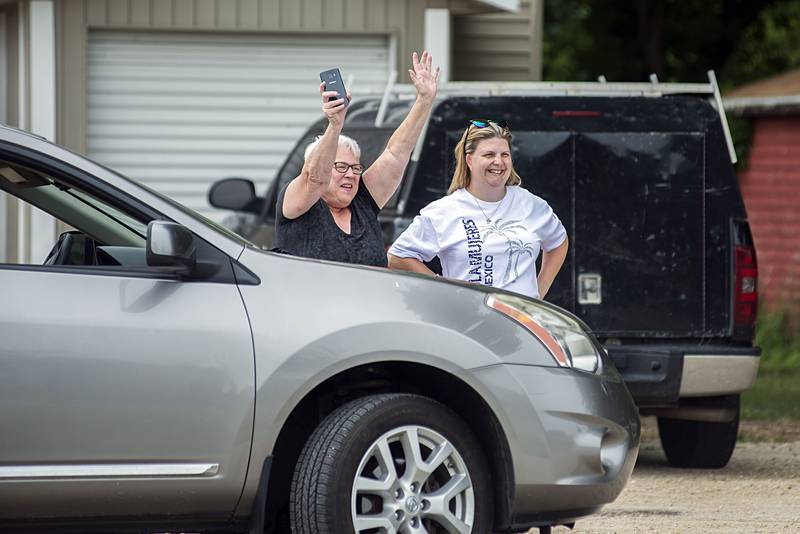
(768, 46)
(678, 40)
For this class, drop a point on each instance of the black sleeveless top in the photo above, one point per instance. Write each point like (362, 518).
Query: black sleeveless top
(316, 235)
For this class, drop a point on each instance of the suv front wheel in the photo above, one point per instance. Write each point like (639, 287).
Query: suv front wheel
(391, 463)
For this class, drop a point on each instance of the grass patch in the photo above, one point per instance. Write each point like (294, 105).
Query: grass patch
(778, 335)
(775, 395)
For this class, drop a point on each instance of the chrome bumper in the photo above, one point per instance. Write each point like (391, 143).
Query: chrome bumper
(708, 375)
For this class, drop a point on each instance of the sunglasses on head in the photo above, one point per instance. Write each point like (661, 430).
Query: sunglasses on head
(484, 123)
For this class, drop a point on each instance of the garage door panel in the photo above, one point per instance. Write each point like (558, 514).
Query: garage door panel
(250, 86)
(230, 65)
(156, 174)
(187, 147)
(206, 159)
(209, 117)
(223, 99)
(189, 132)
(179, 111)
(134, 100)
(125, 88)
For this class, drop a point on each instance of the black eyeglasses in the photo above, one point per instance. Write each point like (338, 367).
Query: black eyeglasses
(484, 123)
(342, 167)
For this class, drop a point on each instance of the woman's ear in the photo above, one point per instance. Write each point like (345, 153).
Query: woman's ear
(468, 159)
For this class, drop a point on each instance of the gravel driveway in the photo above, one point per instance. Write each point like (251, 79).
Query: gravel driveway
(759, 491)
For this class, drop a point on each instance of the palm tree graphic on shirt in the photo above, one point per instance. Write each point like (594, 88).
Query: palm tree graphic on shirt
(516, 247)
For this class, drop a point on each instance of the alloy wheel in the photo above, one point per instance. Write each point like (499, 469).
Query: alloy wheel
(412, 480)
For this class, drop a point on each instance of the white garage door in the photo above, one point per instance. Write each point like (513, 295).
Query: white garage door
(180, 111)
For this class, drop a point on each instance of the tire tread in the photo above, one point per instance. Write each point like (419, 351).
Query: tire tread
(315, 465)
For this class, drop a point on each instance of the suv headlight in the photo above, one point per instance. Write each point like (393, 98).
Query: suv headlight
(561, 335)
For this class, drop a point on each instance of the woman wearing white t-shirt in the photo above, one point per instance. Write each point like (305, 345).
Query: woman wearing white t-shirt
(487, 230)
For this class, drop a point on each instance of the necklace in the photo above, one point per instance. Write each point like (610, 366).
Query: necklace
(494, 212)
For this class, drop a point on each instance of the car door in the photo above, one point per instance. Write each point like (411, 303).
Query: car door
(125, 391)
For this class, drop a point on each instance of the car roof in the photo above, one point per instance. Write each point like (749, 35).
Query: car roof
(13, 129)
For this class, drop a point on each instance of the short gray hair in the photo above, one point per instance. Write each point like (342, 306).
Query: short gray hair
(347, 142)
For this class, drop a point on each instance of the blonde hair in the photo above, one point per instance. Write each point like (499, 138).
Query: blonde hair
(467, 144)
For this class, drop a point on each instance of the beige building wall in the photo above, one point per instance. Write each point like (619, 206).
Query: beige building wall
(11, 81)
(499, 46)
(10, 215)
(402, 19)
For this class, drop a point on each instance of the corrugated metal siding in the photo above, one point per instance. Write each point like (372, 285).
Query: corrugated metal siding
(265, 14)
(402, 18)
(254, 14)
(498, 47)
(771, 188)
(179, 111)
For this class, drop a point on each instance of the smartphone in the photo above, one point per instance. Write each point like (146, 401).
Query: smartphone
(332, 79)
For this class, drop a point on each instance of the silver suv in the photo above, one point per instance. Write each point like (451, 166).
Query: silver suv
(160, 373)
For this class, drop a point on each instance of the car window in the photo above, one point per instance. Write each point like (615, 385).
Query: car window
(138, 227)
(197, 216)
(177, 205)
(92, 232)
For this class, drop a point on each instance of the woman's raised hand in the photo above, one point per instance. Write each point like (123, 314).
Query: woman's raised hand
(423, 76)
(335, 110)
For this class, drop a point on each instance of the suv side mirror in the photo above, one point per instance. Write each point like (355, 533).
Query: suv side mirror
(236, 194)
(170, 245)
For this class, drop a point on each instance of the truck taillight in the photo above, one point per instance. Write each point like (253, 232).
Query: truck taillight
(745, 305)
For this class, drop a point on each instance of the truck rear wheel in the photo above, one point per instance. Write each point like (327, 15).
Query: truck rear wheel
(699, 444)
(391, 463)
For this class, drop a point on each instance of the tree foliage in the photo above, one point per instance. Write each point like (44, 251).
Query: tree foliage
(678, 40)
(769, 46)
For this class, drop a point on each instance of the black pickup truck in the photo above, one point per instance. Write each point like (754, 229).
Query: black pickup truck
(661, 262)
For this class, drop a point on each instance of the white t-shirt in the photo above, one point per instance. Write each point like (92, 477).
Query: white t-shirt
(490, 243)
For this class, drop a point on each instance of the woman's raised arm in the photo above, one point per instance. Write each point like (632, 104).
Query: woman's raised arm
(305, 190)
(384, 176)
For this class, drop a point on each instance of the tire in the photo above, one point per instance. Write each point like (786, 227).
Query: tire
(375, 436)
(699, 444)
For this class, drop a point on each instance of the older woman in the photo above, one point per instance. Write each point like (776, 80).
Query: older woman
(331, 210)
(488, 230)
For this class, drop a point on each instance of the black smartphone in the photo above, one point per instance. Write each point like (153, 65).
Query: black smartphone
(332, 79)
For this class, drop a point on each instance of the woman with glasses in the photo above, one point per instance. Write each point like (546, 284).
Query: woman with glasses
(330, 211)
(488, 229)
